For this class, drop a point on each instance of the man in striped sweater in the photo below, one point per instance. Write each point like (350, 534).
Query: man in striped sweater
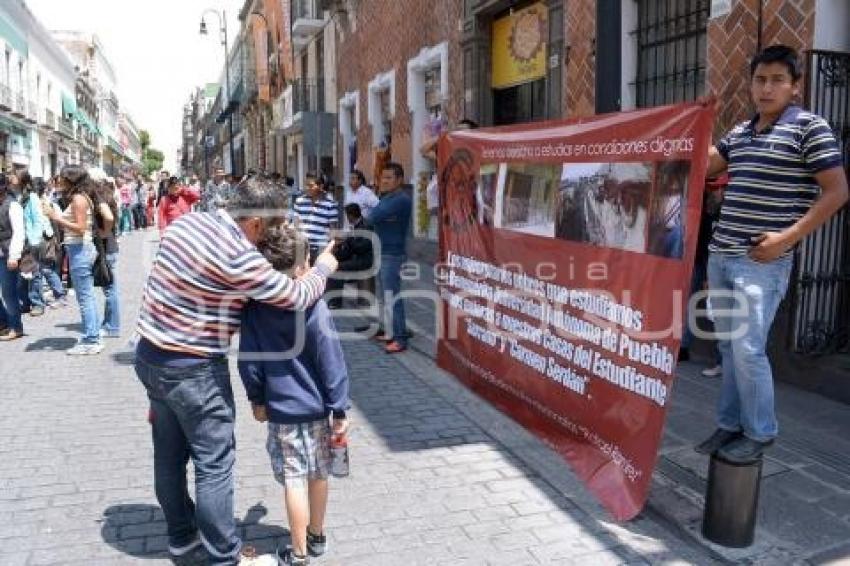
(318, 214)
(206, 270)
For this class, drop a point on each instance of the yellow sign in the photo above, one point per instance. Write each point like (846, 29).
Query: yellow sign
(519, 46)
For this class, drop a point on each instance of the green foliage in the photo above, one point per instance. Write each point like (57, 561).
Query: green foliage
(151, 158)
(145, 139)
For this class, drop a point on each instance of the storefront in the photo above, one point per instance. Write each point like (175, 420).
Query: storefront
(518, 74)
(512, 61)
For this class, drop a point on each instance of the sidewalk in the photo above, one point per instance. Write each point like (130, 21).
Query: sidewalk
(804, 507)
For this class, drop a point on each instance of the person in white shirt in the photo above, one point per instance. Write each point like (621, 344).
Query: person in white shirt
(360, 194)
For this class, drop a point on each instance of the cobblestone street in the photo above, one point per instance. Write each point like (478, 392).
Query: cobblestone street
(438, 476)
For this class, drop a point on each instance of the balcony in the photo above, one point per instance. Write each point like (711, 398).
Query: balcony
(49, 119)
(19, 106)
(66, 128)
(5, 97)
(32, 112)
(307, 21)
(308, 95)
(304, 112)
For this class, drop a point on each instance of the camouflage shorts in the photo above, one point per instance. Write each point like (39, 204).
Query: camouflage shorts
(299, 451)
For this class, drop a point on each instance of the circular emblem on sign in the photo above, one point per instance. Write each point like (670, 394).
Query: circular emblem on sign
(459, 179)
(527, 35)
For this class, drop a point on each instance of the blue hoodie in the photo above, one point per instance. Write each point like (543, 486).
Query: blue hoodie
(308, 379)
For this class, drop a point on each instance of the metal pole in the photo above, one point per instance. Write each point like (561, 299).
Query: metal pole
(227, 80)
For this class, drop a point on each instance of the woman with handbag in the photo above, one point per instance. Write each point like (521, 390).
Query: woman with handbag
(105, 223)
(77, 222)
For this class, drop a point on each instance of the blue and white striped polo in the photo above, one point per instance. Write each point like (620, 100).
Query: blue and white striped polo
(317, 218)
(771, 176)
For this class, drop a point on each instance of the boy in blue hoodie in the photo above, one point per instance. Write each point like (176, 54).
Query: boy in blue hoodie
(294, 372)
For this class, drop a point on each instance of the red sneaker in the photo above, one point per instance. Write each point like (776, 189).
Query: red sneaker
(383, 337)
(394, 347)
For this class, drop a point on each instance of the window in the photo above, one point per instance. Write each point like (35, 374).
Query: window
(433, 92)
(671, 42)
(386, 116)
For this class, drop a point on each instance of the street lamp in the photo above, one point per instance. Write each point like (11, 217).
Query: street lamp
(222, 20)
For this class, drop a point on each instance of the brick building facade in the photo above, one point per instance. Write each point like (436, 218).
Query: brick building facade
(398, 67)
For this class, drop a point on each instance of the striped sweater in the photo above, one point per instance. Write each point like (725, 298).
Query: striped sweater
(204, 273)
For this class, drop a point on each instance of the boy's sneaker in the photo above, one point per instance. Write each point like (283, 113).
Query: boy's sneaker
(85, 350)
(288, 558)
(317, 545)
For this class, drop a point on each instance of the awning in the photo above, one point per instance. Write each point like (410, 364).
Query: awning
(13, 36)
(114, 145)
(69, 106)
(86, 122)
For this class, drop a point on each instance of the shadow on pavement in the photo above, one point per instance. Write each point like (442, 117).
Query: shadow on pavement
(50, 344)
(139, 530)
(73, 326)
(126, 358)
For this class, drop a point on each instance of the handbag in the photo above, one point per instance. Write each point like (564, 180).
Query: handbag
(48, 250)
(100, 268)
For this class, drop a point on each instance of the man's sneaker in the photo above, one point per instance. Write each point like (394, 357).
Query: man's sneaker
(716, 371)
(288, 558)
(718, 440)
(317, 545)
(394, 347)
(185, 554)
(36, 311)
(249, 557)
(85, 350)
(107, 334)
(744, 450)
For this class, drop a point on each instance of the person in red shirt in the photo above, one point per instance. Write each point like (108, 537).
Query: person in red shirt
(176, 203)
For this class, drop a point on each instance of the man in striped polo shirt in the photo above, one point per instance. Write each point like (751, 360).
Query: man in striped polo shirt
(785, 180)
(206, 270)
(318, 213)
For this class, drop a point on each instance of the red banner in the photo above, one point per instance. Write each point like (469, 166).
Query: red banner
(566, 252)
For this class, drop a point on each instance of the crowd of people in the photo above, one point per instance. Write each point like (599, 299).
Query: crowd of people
(52, 232)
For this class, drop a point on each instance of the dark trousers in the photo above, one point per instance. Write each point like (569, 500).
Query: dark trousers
(192, 415)
(139, 217)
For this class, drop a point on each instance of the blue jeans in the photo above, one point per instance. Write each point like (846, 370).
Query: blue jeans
(10, 314)
(746, 394)
(389, 275)
(30, 291)
(112, 313)
(126, 221)
(192, 416)
(80, 260)
(53, 281)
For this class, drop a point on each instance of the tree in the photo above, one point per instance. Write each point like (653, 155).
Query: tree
(152, 161)
(151, 158)
(145, 139)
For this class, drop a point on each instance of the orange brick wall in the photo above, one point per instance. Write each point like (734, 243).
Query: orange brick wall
(387, 35)
(732, 42)
(580, 75)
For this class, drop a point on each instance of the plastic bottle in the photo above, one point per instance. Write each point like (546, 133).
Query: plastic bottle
(339, 456)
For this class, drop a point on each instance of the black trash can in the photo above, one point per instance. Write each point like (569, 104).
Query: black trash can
(731, 502)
